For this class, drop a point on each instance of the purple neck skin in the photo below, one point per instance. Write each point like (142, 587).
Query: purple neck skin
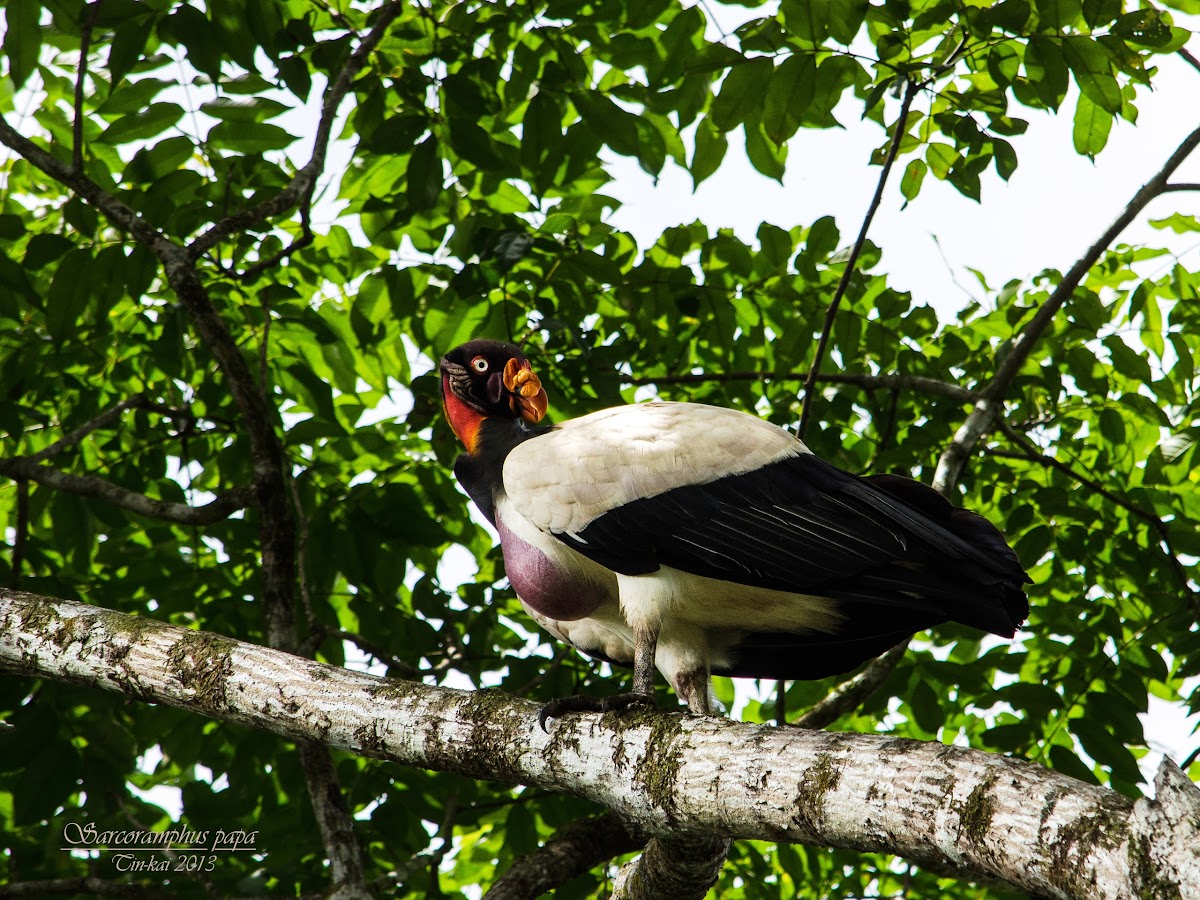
(549, 589)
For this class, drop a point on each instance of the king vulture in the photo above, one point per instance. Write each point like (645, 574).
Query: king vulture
(702, 540)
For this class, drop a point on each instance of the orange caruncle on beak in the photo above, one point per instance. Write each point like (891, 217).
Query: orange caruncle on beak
(529, 399)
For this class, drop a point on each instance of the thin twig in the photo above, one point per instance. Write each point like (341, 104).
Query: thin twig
(103, 420)
(987, 410)
(573, 850)
(395, 665)
(1181, 186)
(85, 46)
(1192, 61)
(22, 536)
(306, 237)
(117, 212)
(889, 429)
(315, 630)
(871, 382)
(303, 180)
(446, 833)
(849, 695)
(901, 127)
(217, 510)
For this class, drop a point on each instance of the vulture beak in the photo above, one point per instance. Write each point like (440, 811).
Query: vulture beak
(528, 397)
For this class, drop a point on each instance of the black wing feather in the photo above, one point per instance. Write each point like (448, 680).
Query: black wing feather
(883, 546)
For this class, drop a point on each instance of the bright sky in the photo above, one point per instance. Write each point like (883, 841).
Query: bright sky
(1056, 204)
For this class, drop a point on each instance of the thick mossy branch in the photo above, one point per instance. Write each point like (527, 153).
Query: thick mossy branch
(674, 776)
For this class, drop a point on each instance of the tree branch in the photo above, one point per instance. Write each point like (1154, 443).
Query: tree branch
(394, 664)
(870, 382)
(85, 46)
(334, 822)
(1181, 186)
(306, 237)
(304, 181)
(225, 504)
(679, 868)
(1191, 60)
(987, 410)
(901, 127)
(976, 813)
(574, 850)
(117, 212)
(22, 531)
(849, 695)
(108, 417)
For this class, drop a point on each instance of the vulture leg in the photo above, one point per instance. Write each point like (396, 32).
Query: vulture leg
(646, 643)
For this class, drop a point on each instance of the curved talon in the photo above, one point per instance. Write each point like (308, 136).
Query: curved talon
(581, 703)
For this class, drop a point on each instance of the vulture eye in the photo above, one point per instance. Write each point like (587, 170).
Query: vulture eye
(479, 364)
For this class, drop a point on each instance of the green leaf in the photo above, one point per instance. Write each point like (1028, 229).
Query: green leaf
(22, 38)
(615, 126)
(1106, 749)
(1058, 14)
(1092, 68)
(808, 19)
(1046, 69)
(834, 76)
(1092, 126)
(1098, 13)
(249, 137)
(1005, 158)
(143, 124)
(45, 248)
(11, 227)
(845, 18)
(1127, 361)
(1146, 27)
(541, 133)
(1178, 223)
(158, 160)
(710, 150)
(69, 293)
(258, 109)
(926, 709)
(941, 158)
(1112, 426)
(713, 58)
(914, 174)
(790, 93)
(742, 93)
(765, 155)
(424, 177)
(823, 237)
(128, 42)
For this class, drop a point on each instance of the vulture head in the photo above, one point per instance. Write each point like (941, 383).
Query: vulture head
(482, 379)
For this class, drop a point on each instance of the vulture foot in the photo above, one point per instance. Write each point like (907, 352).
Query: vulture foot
(580, 703)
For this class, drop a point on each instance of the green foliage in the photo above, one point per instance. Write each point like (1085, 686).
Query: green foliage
(464, 197)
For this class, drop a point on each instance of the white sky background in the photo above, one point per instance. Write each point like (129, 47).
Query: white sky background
(1052, 209)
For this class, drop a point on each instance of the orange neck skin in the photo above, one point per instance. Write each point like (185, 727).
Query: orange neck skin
(464, 420)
